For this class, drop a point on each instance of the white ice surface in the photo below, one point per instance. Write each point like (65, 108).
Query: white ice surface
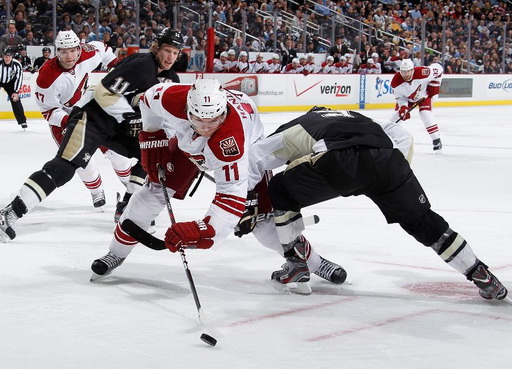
(402, 307)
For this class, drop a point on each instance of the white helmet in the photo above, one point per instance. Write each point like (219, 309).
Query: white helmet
(66, 40)
(406, 65)
(375, 55)
(407, 69)
(206, 99)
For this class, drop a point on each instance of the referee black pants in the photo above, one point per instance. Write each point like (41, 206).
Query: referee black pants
(17, 107)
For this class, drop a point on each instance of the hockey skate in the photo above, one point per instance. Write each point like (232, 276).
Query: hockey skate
(98, 200)
(8, 217)
(438, 146)
(490, 287)
(103, 266)
(331, 272)
(295, 272)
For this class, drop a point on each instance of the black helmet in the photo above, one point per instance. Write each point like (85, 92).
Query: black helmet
(46, 50)
(9, 51)
(170, 37)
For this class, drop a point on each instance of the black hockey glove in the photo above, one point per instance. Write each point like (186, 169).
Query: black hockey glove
(248, 220)
(132, 123)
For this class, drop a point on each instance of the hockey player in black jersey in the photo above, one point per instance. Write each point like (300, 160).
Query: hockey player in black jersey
(106, 115)
(344, 153)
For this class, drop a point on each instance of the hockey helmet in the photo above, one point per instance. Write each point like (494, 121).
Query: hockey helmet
(206, 99)
(231, 52)
(170, 37)
(330, 58)
(46, 50)
(375, 55)
(242, 53)
(66, 40)
(275, 56)
(407, 69)
(224, 54)
(8, 52)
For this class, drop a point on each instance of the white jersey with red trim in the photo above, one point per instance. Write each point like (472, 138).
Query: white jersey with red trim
(274, 67)
(58, 89)
(415, 89)
(226, 152)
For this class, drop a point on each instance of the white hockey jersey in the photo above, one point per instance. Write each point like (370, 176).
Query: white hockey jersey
(416, 89)
(226, 152)
(58, 90)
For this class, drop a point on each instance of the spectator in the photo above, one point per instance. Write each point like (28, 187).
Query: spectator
(29, 40)
(10, 38)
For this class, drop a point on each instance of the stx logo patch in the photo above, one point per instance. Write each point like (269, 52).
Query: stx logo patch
(229, 147)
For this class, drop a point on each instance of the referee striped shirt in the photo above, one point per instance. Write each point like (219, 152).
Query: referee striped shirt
(10, 73)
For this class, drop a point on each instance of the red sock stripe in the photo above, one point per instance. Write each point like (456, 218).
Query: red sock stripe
(232, 204)
(124, 173)
(124, 238)
(433, 129)
(92, 185)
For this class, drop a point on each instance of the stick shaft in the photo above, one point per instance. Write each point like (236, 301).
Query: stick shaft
(161, 179)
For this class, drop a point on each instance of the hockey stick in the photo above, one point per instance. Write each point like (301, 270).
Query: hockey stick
(161, 179)
(157, 244)
(412, 108)
(206, 338)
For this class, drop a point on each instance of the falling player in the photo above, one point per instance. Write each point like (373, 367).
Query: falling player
(418, 85)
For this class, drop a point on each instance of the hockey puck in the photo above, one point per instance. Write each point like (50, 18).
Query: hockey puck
(206, 338)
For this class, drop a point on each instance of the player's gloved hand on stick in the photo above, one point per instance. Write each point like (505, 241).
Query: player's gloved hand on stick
(133, 123)
(154, 150)
(191, 235)
(248, 220)
(433, 88)
(403, 112)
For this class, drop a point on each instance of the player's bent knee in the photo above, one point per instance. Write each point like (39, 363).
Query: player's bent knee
(60, 171)
(279, 195)
(427, 229)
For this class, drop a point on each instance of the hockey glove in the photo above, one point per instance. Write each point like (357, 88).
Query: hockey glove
(248, 220)
(433, 88)
(154, 150)
(403, 112)
(191, 235)
(132, 123)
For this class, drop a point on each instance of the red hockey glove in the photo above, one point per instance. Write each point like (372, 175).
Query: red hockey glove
(403, 112)
(191, 235)
(154, 150)
(433, 88)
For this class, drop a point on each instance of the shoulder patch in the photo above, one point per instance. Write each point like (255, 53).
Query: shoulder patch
(229, 147)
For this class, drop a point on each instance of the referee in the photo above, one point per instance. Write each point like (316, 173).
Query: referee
(11, 79)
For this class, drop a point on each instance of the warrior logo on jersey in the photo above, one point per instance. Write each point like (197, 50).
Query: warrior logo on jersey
(229, 147)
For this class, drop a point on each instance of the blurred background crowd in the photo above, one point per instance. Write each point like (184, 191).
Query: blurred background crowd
(464, 36)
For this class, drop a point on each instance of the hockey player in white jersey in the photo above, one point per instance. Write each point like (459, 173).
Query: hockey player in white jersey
(59, 86)
(215, 129)
(417, 86)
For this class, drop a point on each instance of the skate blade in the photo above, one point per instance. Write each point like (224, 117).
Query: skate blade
(96, 277)
(508, 300)
(299, 288)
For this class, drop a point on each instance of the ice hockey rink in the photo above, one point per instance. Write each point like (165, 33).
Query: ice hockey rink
(401, 308)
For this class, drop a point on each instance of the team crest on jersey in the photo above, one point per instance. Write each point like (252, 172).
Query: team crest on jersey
(229, 147)
(422, 198)
(425, 72)
(170, 167)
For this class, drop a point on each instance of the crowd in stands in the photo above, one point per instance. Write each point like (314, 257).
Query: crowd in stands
(392, 31)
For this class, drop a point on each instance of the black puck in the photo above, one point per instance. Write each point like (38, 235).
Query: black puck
(206, 338)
